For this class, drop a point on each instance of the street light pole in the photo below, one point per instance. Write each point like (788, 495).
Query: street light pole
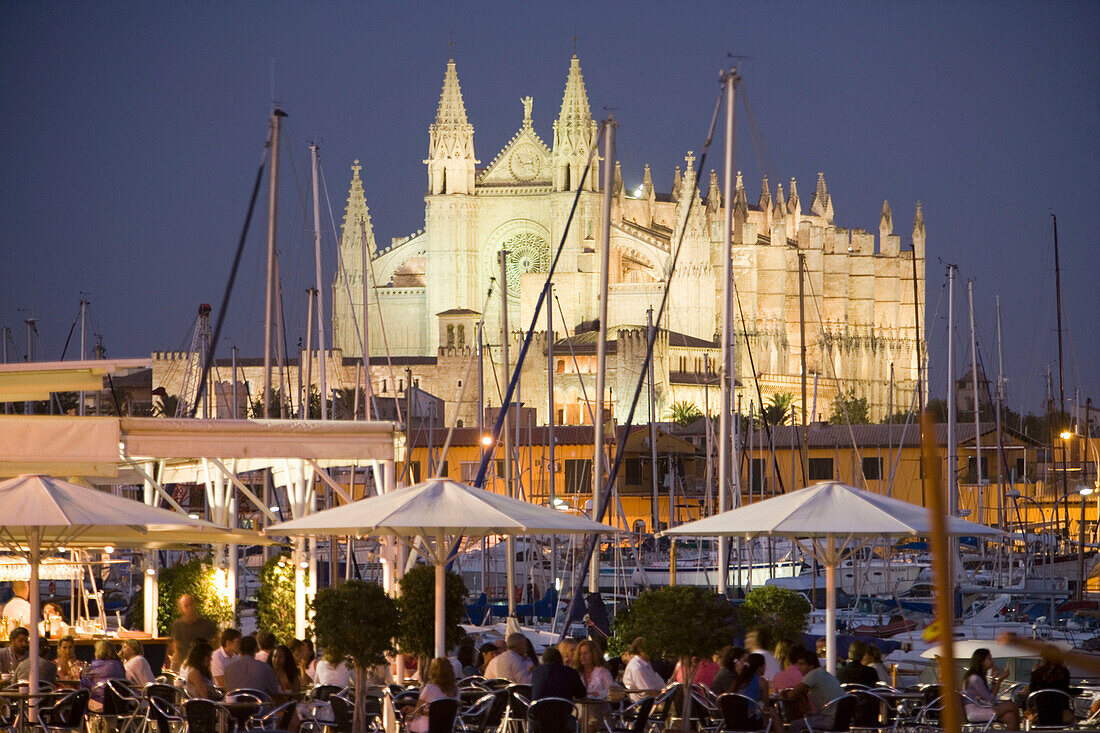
(1084, 491)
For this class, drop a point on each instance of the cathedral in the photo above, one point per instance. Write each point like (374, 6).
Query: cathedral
(430, 293)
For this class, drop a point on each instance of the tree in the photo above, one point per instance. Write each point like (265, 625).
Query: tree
(688, 623)
(684, 412)
(781, 611)
(275, 598)
(417, 604)
(850, 409)
(198, 578)
(777, 410)
(357, 620)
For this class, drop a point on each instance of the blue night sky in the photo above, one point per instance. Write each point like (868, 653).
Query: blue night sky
(131, 134)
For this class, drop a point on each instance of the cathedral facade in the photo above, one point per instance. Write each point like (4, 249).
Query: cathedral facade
(429, 294)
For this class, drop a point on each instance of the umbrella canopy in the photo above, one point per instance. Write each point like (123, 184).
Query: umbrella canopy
(828, 508)
(62, 513)
(439, 507)
(833, 517)
(42, 512)
(437, 512)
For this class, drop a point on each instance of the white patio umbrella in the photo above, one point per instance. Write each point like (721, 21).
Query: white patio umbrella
(42, 513)
(827, 519)
(438, 512)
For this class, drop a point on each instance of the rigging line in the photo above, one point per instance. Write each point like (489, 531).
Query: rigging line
(381, 321)
(651, 336)
(760, 150)
(461, 396)
(68, 338)
(538, 310)
(232, 275)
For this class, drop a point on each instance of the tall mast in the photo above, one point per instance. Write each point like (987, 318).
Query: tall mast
(1061, 382)
(368, 386)
(802, 355)
(974, 389)
(952, 444)
(83, 344)
(316, 160)
(655, 500)
(998, 406)
(307, 356)
(601, 344)
(920, 367)
(509, 541)
(272, 228)
(550, 421)
(730, 79)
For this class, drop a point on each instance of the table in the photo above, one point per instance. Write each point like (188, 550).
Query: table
(242, 710)
(584, 705)
(22, 698)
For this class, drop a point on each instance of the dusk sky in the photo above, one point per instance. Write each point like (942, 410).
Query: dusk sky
(132, 131)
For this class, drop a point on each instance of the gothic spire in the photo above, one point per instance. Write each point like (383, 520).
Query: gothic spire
(574, 135)
(617, 186)
(714, 196)
(822, 205)
(451, 160)
(765, 202)
(676, 181)
(918, 233)
(647, 182)
(793, 204)
(739, 195)
(780, 210)
(886, 221)
(357, 215)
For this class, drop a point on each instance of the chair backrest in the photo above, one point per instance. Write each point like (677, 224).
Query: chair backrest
(162, 712)
(343, 710)
(253, 696)
(551, 715)
(638, 715)
(68, 712)
(519, 697)
(162, 691)
(118, 698)
(739, 712)
(472, 681)
(323, 692)
(442, 714)
(206, 716)
(1049, 706)
(871, 710)
(844, 712)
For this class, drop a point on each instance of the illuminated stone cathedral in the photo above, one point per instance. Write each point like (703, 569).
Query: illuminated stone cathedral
(428, 291)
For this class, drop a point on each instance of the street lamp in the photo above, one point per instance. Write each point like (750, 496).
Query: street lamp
(1084, 491)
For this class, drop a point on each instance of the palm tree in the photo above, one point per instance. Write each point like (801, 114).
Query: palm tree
(778, 409)
(684, 412)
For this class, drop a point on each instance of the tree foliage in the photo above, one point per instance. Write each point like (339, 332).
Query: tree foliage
(198, 578)
(850, 409)
(777, 410)
(275, 598)
(782, 611)
(417, 604)
(359, 621)
(684, 412)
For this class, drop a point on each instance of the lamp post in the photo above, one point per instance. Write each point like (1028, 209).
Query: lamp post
(1084, 491)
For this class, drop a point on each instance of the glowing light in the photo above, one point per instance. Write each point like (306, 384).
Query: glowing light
(639, 191)
(274, 508)
(109, 549)
(303, 565)
(1085, 490)
(150, 572)
(486, 440)
(221, 582)
(1065, 435)
(193, 516)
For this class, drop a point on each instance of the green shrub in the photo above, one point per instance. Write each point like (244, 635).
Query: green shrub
(782, 611)
(197, 577)
(275, 598)
(417, 604)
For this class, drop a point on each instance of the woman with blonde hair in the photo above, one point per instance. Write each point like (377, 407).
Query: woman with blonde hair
(441, 684)
(589, 662)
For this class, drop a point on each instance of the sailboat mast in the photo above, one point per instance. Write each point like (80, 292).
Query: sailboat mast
(368, 386)
(601, 344)
(83, 345)
(730, 79)
(1000, 435)
(802, 355)
(952, 444)
(314, 153)
(920, 367)
(509, 541)
(272, 227)
(977, 403)
(655, 503)
(1061, 375)
(550, 424)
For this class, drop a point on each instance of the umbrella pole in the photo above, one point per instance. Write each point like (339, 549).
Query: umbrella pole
(440, 612)
(36, 611)
(830, 606)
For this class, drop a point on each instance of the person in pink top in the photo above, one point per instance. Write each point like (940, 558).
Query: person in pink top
(791, 674)
(441, 683)
(705, 669)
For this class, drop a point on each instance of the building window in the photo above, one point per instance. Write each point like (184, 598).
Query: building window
(1020, 472)
(759, 475)
(500, 467)
(561, 366)
(633, 472)
(450, 336)
(442, 470)
(821, 469)
(414, 472)
(972, 472)
(578, 475)
(383, 386)
(872, 469)
(468, 471)
(461, 336)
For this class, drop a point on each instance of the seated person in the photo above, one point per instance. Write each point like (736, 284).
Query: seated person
(1051, 674)
(246, 671)
(553, 679)
(105, 666)
(816, 690)
(138, 670)
(441, 683)
(854, 671)
(47, 670)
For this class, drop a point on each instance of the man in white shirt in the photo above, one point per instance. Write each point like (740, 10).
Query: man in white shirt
(18, 608)
(512, 664)
(757, 641)
(639, 675)
(230, 647)
(138, 671)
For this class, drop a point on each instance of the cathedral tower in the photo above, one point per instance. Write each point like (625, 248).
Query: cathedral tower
(347, 288)
(574, 135)
(451, 160)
